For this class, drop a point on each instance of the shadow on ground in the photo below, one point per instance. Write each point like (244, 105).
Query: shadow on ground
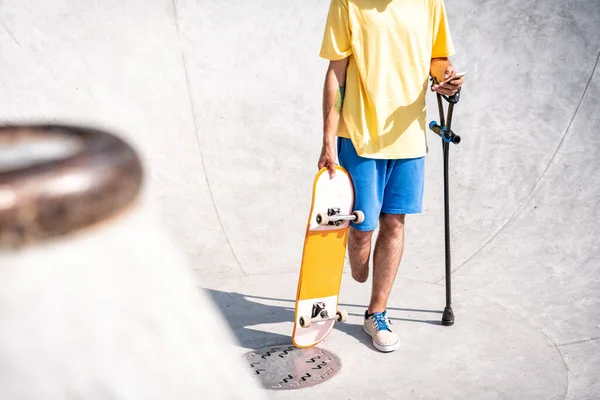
(245, 314)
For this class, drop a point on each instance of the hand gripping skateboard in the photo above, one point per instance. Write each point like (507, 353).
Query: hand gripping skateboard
(323, 257)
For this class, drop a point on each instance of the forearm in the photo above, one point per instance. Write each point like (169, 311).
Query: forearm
(333, 99)
(438, 68)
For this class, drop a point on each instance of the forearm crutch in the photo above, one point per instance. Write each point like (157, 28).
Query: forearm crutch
(444, 131)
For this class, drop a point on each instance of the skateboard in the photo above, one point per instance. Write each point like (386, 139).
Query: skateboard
(323, 257)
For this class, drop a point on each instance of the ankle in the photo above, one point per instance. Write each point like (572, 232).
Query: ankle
(373, 310)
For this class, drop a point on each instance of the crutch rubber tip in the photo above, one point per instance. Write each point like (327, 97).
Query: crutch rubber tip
(448, 317)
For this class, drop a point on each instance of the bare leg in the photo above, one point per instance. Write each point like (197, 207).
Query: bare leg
(359, 252)
(386, 259)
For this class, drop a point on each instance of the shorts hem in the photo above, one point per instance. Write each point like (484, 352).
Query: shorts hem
(363, 228)
(403, 211)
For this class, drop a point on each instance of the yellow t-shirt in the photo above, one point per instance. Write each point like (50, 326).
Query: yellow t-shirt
(390, 44)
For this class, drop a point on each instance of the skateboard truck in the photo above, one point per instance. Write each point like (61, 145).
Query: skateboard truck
(444, 131)
(320, 314)
(319, 309)
(334, 217)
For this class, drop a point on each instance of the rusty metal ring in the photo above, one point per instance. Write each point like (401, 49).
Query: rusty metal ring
(59, 196)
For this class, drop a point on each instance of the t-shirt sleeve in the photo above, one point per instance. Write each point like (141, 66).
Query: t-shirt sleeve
(337, 40)
(442, 41)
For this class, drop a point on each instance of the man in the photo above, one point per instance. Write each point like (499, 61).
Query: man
(381, 54)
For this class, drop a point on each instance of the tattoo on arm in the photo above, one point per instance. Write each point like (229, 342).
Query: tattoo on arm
(339, 98)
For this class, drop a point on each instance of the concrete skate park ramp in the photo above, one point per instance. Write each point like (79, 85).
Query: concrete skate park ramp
(223, 102)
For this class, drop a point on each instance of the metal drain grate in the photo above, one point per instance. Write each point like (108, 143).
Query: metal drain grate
(288, 367)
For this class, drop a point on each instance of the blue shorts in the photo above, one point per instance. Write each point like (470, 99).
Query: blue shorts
(388, 186)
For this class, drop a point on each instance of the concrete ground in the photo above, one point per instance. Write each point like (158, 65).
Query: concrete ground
(223, 100)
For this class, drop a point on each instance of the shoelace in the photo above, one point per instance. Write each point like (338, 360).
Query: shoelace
(381, 322)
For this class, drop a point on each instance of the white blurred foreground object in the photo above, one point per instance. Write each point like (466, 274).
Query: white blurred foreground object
(95, 303)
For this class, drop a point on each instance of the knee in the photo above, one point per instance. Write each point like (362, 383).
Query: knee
(391, 223)
(361, 238)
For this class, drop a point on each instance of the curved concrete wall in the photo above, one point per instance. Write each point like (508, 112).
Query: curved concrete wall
(224, 101)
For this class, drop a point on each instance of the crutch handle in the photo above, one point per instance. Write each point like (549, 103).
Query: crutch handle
(446, 135)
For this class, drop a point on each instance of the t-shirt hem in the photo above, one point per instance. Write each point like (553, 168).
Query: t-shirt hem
(399, 156)
(387, 156)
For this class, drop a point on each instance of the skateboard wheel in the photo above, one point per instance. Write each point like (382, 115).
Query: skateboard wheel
(342, 315)
(360, 217)
(322, 219)
(305, 321)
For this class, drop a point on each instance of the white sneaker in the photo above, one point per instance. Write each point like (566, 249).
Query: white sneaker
(378, 326)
